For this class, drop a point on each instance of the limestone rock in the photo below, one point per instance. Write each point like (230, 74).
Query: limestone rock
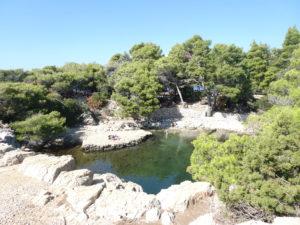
(43, 198)
(122, 203)
(206, 219)
(152, 215)
(46, 168)
(82, 197)
(7, 136)
(14, 157)
(100, 141)
(167, 218)
(74, 178)
(110, 180)
(88, 119)
(286, 221)
(178, 197)
(5, 148)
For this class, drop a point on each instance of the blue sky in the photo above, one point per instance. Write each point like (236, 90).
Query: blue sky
(36, 33)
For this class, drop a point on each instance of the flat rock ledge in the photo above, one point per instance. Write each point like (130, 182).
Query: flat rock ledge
(101, 142)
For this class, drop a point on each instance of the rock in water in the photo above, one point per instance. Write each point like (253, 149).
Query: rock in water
(178, 197)
(46, 168)
(74, 178)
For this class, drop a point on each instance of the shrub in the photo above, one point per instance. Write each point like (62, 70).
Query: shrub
(264, 169)
(39, 126)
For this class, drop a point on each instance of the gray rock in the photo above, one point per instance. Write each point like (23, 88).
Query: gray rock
(14, 157)
(5, 148)
(74, 178)
(82, 197)
(46, 168)
(88, 119)
(167, 218)
(178, 197)
(7, 136)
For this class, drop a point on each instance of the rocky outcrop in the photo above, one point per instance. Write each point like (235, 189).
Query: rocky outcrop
(7, 136)
(14, 157)
(194, 118)
(178, 197)
(82, 197)
(121, 200)
(74, 178)
(46, 168)
(101, 141)
(88, 119)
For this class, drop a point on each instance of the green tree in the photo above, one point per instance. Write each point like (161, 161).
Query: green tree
(290, 43)
(19, 100)
(264, 169)
(230, 78)
(285, 91)
(257, 63)
(145, 51)
(137, 88)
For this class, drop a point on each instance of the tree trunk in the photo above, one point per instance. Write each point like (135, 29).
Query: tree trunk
(180, 95)
(211, 99)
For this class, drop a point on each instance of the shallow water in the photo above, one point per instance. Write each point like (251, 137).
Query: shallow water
(155, 164)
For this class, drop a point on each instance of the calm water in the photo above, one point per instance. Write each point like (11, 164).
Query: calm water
(155, 164)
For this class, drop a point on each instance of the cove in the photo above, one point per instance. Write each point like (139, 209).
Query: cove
(155, 164)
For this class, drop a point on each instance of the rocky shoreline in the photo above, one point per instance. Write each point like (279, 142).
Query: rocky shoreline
(130, 132)
(46, 189)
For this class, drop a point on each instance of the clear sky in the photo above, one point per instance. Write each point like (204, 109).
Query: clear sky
(36, 33)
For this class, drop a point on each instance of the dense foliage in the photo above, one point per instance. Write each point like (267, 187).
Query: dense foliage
(39, 126)
(263, 170)
(139, 80)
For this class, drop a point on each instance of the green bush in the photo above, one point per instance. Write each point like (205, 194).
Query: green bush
(39, 126)
(265, 168)
(20, 100)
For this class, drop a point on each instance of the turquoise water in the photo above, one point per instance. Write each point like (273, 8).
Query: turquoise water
(155, 164)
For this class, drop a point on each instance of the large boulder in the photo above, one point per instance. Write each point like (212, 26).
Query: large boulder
(121, 200)
(82, 197)
(74, 178)
(46, 168)
(121, 204)
(178, 197)
(14, 157)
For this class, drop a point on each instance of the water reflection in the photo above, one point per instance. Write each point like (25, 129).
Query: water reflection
(158, 163)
